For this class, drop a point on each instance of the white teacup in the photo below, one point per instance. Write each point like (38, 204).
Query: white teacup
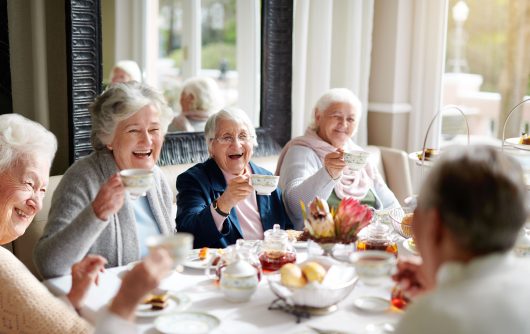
(137, 181)
(178, 245)
(373, 266)
(356, 159)
(264, 184)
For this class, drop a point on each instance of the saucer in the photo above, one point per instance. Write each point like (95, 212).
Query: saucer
(193, 261)
(176, 302)
(372, 304)
(186, 323)
(407, 243)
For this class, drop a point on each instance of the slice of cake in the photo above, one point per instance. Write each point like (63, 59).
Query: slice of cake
(157, 302)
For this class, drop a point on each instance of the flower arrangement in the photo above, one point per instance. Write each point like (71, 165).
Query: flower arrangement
(341, 226)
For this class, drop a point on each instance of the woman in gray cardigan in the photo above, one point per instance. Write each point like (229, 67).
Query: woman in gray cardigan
(90, 210)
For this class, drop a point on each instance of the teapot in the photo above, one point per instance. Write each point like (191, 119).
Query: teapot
(243, 250)
(276, 249)
(239, 280)
(377, 236)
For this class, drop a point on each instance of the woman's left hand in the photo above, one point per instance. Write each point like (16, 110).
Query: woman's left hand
(84, 273)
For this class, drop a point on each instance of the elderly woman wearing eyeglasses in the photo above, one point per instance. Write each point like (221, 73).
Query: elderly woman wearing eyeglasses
(215, 200)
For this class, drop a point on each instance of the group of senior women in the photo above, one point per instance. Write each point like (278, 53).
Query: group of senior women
(93, 222)
(26, 153)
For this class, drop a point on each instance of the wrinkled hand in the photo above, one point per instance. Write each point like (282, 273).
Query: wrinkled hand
(411, 277)
(238, 189)
(334, 163)
(144, 277)
(110, 198)
(84, 273)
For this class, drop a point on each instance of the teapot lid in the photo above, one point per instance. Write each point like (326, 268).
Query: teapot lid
(276, 233)
(378, 231)
(240, 268)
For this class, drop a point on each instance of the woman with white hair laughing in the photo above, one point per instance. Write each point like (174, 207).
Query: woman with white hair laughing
(215, 201)
(90, 212)
(313, 164)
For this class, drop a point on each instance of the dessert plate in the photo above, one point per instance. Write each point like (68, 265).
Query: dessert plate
(176, 302)
(193, 261)
(515, 142)
(186, 323)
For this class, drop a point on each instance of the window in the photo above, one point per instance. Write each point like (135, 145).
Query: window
(487, 68)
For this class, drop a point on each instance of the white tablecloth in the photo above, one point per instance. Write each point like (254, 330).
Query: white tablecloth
(249, 317)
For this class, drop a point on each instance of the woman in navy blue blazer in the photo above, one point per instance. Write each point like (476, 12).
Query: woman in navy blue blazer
(215, 200)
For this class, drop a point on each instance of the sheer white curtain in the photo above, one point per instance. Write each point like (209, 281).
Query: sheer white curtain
(331, 48)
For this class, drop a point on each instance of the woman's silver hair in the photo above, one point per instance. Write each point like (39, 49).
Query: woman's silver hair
(119, 102)
(232, 114)
(480, 195)
(21, 137)
(337, 95)
(206, 93)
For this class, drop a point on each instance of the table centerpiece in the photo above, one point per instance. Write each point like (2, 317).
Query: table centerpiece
(330, 227)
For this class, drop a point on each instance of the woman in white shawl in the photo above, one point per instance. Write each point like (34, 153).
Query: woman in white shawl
(313, 164)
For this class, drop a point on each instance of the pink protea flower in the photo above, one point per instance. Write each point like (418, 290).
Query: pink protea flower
(351, 217)
(340, 226)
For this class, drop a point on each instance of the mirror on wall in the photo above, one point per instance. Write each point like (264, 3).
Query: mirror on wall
(208, 48)
(86, 47)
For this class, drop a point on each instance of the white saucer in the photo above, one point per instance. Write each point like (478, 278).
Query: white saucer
(407, 243)
(176, 302)
(186, 323)
(515, 143)
(372, 304)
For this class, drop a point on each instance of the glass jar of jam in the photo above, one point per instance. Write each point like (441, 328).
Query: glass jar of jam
(377, 236)
(276, 250)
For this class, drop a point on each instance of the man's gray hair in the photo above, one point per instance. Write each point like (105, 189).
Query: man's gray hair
(480, 194)
(21, 137)
(337, 95)
(232, 114)
(206, 93)
(119, 102)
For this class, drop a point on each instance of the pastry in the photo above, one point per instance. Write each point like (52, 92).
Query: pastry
(203, 253)
(524, 139)
(157, 302)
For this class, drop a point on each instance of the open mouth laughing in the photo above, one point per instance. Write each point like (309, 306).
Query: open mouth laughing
(235, 156)
(142, 153)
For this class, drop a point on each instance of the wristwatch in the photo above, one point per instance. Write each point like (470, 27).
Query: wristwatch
(216, 208)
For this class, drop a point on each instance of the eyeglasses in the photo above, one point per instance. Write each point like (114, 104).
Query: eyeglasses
(226, 140)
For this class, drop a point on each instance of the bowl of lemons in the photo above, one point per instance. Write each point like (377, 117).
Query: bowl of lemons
(319, 282)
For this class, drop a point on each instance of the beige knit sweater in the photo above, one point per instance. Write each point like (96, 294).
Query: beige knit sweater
(26, 306)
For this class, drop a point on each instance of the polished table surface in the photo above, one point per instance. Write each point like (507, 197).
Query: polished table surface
(248, 317)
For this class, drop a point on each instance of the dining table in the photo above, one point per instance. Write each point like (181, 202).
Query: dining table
(197, 293)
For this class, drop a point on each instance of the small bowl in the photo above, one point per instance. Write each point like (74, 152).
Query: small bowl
(402, 221)
(373, 266)
(264, 184)
(356, 159)
(314, 294)
(137, 181)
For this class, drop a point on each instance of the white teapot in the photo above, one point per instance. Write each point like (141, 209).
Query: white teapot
(239, 281)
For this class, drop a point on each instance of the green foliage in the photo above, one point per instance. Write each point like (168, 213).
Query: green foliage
(212, 55)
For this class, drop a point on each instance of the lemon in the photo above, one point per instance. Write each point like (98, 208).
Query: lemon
(291, 275)
(313, 271)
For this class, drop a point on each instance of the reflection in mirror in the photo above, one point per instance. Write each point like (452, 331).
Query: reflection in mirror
(85, 75)
(215, 39)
